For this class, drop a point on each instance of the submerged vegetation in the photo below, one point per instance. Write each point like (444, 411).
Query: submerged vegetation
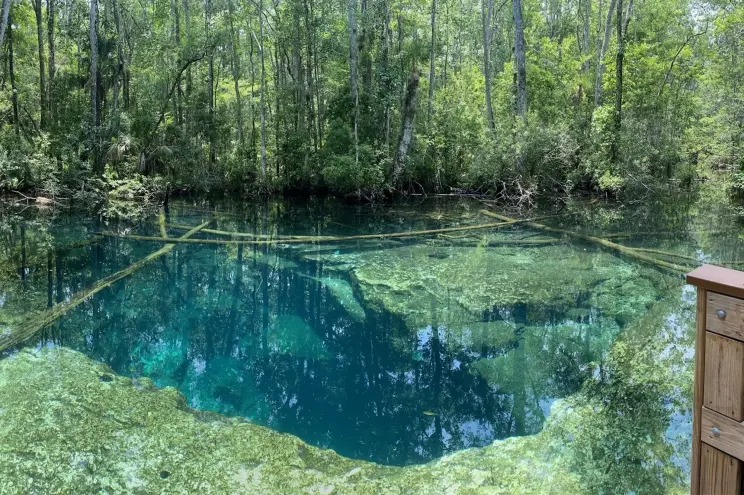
(510, 359)
(116, 103)
(91, 430)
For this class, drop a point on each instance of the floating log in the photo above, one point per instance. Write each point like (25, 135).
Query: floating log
(625, 250)
(319, 239)
(51, 315)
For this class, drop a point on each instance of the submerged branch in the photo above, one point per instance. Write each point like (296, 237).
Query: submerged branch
(625, 250)
(51, 315)
(315, 239)
(228, 233)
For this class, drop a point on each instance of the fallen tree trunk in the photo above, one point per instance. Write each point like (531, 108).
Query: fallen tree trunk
(228, 233)
(316, 240)
(666, 253)
(51, 315)
(627, 251)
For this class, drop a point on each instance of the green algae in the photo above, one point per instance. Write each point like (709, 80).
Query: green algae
(73, 426)
(70, 425)
(450, 285)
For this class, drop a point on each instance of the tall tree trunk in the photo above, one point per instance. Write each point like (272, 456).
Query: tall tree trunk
(251, 106)
(430, 108)
(11, 70)
(210, 91)
(318, 81)
(51, 17)
(189, 80)
(4, 23)
(619, 83)
(601, 53)
(42, 64)
(298, 69)
(309, 16)
(353, 63)
(236, 74)
(263, 88)
(486, 17)
(386, 81)
(406, 137)
(521, 65)
(118, 73)
(177, 39)
(94, 104)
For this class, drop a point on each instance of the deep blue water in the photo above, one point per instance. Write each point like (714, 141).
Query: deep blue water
(291, 342)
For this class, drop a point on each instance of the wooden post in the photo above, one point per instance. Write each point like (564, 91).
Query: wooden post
(718, 410)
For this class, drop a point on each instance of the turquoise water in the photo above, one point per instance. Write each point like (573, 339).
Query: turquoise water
(397, 351)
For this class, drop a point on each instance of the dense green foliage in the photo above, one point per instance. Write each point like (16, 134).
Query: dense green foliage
(284, 95)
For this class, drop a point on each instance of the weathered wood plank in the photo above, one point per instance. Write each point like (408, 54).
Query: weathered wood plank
(698, 391)
(725, 434)
(718, 279)
(721, 473)
(725, 315)
(724, 376)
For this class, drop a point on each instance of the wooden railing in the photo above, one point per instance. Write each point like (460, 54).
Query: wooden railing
(718, 414)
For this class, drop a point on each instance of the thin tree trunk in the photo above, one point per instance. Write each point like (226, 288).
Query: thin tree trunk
(586, 39)
(189, 79)
(177, 36)
(409, 114)
(387, 81)
(365, 49)
(486, 17)
(251, 106)
(210, 91)
(94, 104)
(11, 69)
(430, 108)
(263, 89)
(236, 75)
(353, 63)
(521, 65)
(51, 15)
(602, 52)
(119, 67)
(42, 64)
(5, 20)
(309, 28)
(619, 83)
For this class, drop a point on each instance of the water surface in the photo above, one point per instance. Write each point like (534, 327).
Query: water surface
(396, 351)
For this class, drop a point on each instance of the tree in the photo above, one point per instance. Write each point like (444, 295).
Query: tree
(42, 63)
(51, 15)
(601, 53)
(486, 18)
(520, 55)
(4, 20)
(432, 57)
(406, 135)
(94, 89)
(354, 78)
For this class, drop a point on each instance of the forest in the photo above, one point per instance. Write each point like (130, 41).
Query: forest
(369, 98)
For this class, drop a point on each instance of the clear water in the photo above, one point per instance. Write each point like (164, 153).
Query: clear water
(462, 341)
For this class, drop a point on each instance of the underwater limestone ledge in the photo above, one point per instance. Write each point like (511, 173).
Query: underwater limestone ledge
(70, 425)
(418, 280)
